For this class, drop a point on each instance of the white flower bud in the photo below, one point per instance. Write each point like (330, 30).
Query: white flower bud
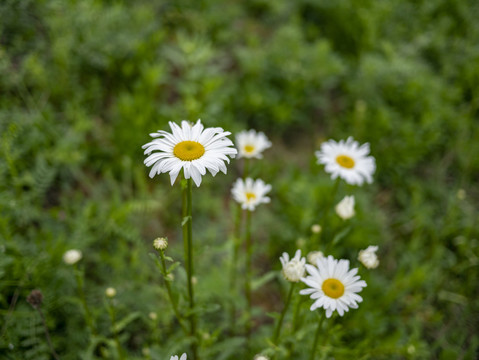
(72, 256)
(313, 257)
(160, 243)
(110, 292)
(345, 208)
(369, 258)
(261, 357)
(293, 270)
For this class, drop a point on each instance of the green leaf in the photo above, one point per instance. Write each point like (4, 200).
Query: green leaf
(257, 283)
(339, 236)
(185, 220)
(119, 326)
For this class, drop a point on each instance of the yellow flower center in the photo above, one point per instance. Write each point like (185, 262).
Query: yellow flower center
(188, 150)
(333, 288)
(250, 196)
(248, 148)
(345, 161)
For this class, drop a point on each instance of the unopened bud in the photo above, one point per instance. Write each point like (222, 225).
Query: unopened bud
(160, 243)
(35, 298)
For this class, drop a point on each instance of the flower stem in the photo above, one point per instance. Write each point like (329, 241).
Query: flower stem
(111, 311)
(170, 293)
(316, 338)
(249, 254)
(188, 244)
(280, 322)
(81, 292)
(234, 265)
(334, 191)
(246, 168)
(47, 334)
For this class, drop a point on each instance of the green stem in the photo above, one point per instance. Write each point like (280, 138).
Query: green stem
(47, 334)
(170, 293)
(334, 191)
(249, 255)
(246, 168)
(280, 322)
(111, 311)
(316, 338)
(188, 244)
(234, 265)
(81, 292)
(297, 307)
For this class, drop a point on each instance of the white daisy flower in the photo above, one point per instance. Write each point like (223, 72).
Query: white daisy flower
(72, 256)
(347, 160)
(191, 148)
(250, 193)
(368, 257)
(345, 208)
(175, 357)
(293, 270)
(251, 144)
(333, 286)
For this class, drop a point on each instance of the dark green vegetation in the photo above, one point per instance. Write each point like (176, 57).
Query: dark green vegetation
(83, 83)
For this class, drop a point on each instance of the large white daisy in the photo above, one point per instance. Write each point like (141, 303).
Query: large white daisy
(191, 148)
(347, 160)
(250, 193)
(333, 286)
(251, 144)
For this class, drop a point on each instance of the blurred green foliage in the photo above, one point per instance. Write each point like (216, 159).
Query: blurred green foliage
(83, 83)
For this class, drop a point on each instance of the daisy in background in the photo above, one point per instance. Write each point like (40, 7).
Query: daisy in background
(333, 286)
(314, 256)
(251, 144)
(250, 193)
(345, 208)
(175, 357)
(348, 160)
(369, 258)
(191, 148)
(72, 256)
(293, 270)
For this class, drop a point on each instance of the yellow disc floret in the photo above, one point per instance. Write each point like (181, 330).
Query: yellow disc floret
(250, 196)
(188, 150)
(333, 288)
(249, 148)
(345, 161)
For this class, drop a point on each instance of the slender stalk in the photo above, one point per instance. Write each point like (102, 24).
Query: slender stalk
(81, 292)
(234, 265)
(111, 311)
(333, 196)
(249, 254)
(280, 322)
(47, 334)
(297, 307)
(188, 244)
(316, 338)
(246, 168)
(170, 293)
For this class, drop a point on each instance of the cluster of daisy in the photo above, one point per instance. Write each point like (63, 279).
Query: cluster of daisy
(194, 150)
(330, 282)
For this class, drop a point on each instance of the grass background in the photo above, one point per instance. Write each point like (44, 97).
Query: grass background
(83, 83)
